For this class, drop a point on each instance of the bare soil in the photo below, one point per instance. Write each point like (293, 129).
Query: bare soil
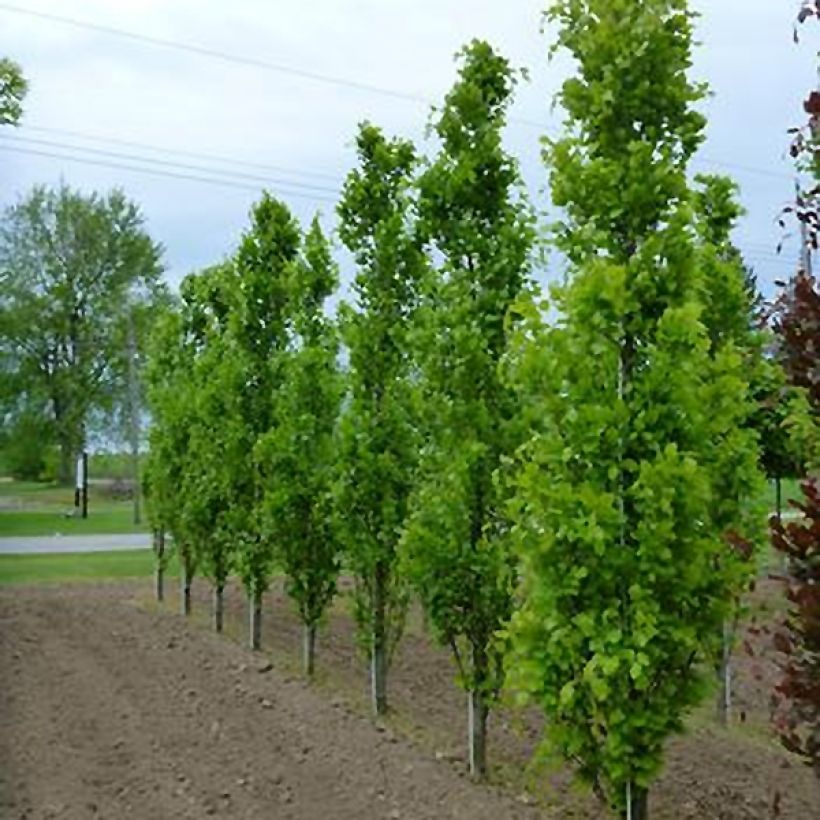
(112, 706)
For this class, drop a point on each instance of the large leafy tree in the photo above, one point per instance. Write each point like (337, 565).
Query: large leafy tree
(479, 229)
(378, 448)
(13, 88)
(73, 268)
(621, 603)
(298, 456)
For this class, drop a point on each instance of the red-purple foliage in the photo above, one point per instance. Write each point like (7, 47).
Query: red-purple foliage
(796, 700)
(796, 321)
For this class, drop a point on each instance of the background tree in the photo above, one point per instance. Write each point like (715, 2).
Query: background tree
(298, 456)
(71, 267)
(621, 603)
(13, 89)
(474, 217)
(378, 441)
(257, 342)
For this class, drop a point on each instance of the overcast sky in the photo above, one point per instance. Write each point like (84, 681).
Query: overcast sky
(89, 85)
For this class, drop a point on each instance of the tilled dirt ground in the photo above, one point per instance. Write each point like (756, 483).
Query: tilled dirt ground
(113, 707)
(110, 711)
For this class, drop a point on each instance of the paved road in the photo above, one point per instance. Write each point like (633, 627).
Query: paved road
(73, 543)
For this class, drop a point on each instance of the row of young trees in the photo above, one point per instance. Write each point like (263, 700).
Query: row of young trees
(567, 484)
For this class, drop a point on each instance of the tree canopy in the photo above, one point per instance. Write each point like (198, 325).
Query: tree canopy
(73, 267)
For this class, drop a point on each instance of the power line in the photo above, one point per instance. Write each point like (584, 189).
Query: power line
(225, 56)
(327, 79)
(181, 152)
(738, 166)
(154, 172)
(167, 163)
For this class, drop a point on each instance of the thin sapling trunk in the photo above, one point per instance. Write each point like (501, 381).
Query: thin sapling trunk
(309, 649)
(378, 659)
(219, 606)
(255, 613)
(159, 564)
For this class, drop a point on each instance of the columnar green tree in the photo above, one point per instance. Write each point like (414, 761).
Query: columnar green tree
(257, 341)
(378, 440)
(170, 402)
(479, 228)
(204, 486)
(621, 603)
(298, 456)
(736, 358)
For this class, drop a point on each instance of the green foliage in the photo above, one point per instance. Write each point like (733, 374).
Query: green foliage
(167, 377)
(257, 293)
(378, 441)
(475, 220)
(205, 485)
(738, 366)
(26, 448)
(616, 492)
(297, 456)
(72, 268)
(13, 89)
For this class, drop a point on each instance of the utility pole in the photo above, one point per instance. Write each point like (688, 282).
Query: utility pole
(133, 413)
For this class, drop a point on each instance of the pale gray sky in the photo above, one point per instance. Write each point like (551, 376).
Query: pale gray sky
(89, 82)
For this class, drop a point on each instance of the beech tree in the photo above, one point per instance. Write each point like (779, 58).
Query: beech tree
(378, 440)
(620, 601)
(298, 455)
(473, 216)
(257, 341)
(170, 402)
(204, 486)
(796, 699)
(736, 353)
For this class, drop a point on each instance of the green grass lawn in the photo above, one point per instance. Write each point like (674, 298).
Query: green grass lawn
(70, 566)
(40, 522)
(28, 508)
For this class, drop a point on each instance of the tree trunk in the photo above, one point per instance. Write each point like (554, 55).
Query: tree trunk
(66, 470)
(185, 585)
(637, 803)
(778, 502)
(134, 416)
(309, 649)
(255, 610)
(724, 702)
(378, 658)
(477, 712)
(159, 573)
(218, 606)
(477, 733)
